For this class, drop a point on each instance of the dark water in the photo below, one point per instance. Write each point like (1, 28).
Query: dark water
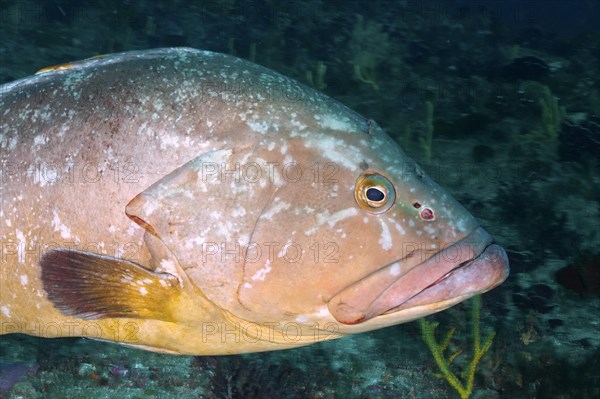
(515, 88)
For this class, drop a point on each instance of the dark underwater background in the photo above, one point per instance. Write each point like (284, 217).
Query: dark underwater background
(511, 90)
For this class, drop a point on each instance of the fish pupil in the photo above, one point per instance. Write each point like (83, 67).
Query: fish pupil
(375, 194)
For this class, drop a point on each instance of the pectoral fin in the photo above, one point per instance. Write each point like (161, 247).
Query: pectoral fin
(92, 286)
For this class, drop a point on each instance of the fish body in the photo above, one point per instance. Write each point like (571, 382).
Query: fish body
(191, 202)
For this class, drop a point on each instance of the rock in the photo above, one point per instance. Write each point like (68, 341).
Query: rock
(526, 68)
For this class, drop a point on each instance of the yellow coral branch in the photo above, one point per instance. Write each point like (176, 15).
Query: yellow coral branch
(464, 388)
(366, 75)
(317, 79)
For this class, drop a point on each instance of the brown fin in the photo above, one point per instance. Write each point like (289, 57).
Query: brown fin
(93, 286)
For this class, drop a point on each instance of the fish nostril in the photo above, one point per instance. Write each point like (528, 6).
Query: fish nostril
(427, 214)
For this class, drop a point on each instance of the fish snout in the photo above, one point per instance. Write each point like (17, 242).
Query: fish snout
(468, 267)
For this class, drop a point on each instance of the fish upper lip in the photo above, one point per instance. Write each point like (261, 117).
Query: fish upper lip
(352, 305)
(480, 274)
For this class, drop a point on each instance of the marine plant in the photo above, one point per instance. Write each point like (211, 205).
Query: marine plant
(551, 113)
(368, 46)
(317, 79)
(462, 383)
(366, 73)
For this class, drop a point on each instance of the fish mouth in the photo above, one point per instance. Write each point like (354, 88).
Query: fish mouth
(469, 267)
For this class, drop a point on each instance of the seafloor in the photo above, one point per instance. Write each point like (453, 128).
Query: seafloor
(512, 91)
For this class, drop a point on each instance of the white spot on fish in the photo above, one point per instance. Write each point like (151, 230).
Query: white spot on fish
(238, 212)
(132, 229)
(400, 228)
(287, 160)
(143, 291)
(40, 139)
(462, 224)
(12, 143)
(63, 129)
(333, 193)
(168, 266)
(386, 238)
(275, 209)
(243, 239)
(226, 229)
(24, 279)
(5, 311)
(258, 127)
(195, 241)
(276, 179)
(169, 140)
(337, 150)
(331, 122)
(21, 247)
(331, 219)
(158, 104)
(395, 269)
(65, 232)
(323, 312)
(340, 215)
(262, 273)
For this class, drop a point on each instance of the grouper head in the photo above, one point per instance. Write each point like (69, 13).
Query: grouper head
(315, 215)
(281, 210)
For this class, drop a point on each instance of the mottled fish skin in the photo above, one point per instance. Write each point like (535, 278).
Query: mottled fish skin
(191, 202)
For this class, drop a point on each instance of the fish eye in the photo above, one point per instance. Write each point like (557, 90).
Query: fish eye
(374, 193)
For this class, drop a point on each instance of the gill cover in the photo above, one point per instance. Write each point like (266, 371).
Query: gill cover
(199, 212)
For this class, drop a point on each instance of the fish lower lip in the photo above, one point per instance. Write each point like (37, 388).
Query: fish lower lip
(486, 271)
(352, 305)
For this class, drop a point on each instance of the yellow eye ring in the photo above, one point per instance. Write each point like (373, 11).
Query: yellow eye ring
(374, 193)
